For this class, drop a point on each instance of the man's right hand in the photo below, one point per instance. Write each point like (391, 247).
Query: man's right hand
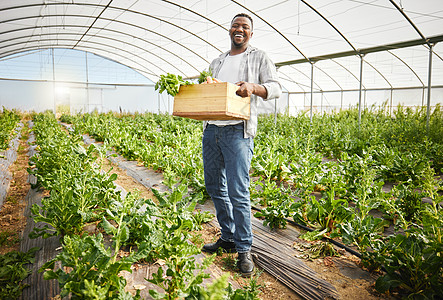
(209, 79)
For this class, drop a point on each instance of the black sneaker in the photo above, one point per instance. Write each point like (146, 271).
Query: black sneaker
(228, 247)
(245, 264)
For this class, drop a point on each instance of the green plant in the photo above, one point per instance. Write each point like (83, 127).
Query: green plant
(331, 177)
(277, 201)
(413, 266)
(412, 260)
(405, 207)
(89, 269)
(4, 235)
(176, 207)
(361, 231)
(171, 83)
(409, 202)
(248, 292)
(66, 210)
(306, 169)
(181, 272)
(325, 214)
(270, 163)
(13, 269)
(229, 261)
(124, 214)
(216, 290)
(407, 167)
(8, 122)
(79, 190)
(203, 75)
(432, 214)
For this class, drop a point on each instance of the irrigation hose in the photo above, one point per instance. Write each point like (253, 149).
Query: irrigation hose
(352, 251)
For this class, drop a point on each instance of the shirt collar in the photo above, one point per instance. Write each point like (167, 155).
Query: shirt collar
(247, 51)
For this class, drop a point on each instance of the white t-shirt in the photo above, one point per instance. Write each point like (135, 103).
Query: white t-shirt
(229, 72)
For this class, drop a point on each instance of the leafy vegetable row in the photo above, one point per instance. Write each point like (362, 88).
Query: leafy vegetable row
(334, 176)
(8, 122)
(81, 194)
(329, 174)
(161, 142)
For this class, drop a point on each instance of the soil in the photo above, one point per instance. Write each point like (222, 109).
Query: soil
(12, 220)
(342, 272)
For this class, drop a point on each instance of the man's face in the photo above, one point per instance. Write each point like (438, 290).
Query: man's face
(240, 31)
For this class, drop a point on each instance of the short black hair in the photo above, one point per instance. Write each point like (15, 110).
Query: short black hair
(245, 16)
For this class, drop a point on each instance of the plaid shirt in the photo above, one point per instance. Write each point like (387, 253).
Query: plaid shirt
(257, 68)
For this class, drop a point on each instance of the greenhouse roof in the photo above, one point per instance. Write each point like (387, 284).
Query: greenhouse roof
(394, 37)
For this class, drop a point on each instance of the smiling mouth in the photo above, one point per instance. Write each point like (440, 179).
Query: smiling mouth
(238, 35)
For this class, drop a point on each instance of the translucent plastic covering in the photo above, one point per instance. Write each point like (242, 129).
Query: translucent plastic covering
(393, 37)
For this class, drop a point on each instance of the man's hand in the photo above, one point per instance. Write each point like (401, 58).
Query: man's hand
(209, 79)
(246, 89)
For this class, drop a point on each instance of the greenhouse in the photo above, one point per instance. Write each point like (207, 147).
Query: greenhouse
(125, 127)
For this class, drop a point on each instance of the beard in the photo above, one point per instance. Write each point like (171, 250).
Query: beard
(238, 44)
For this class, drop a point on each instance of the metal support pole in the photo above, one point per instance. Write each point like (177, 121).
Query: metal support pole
(87, 81)
(390, 104)
(341, 100)
(428, 110)
(360, 88)
(312, 90)
(321, 102)
(288, 109)
(102, 100)
(365, 105)
(53, 83)
(275, 111)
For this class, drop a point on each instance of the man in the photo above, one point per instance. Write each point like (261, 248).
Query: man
(228, 145)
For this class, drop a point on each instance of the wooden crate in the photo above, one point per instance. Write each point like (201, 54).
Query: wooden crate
(213, 101)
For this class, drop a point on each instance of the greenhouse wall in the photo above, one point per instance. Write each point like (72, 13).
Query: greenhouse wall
(336, 100)
(75, 97)
(26, 95)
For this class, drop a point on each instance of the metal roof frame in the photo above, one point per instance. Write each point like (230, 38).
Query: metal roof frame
(57, 35)
(81, 16)
(364, 51)
(139, 63)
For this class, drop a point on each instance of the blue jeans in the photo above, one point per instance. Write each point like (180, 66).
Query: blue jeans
(226, 159)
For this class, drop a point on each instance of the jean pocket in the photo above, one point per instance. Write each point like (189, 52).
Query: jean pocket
(238, 127)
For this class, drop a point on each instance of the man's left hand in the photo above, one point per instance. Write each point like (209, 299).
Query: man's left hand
(246, 89)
